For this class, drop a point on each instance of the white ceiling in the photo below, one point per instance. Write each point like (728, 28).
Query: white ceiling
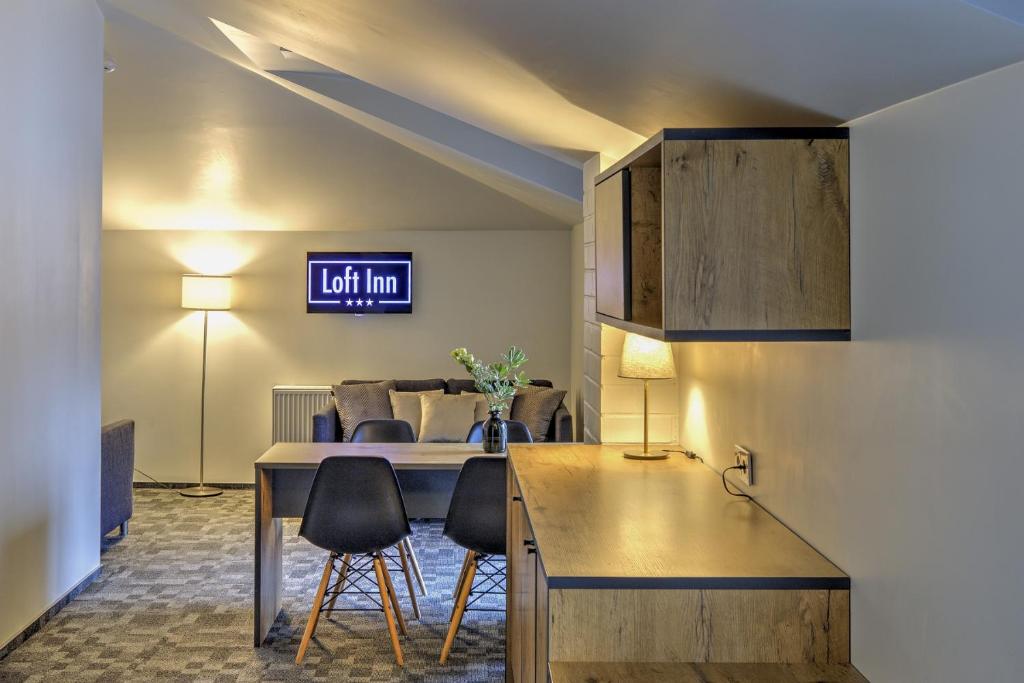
(477, 113)
(193, 141)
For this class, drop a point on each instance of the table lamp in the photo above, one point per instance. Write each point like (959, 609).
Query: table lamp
(204, 293)
(646, 359)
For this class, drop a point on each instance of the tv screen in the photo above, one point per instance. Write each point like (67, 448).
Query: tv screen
(359, 282)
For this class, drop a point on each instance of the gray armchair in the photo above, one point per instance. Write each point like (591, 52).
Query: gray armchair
(117, 455)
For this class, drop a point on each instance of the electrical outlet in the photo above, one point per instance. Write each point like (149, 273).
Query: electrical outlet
(745, 459)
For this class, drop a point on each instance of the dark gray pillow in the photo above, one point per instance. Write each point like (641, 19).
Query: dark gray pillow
(536, 407)
(358, 402)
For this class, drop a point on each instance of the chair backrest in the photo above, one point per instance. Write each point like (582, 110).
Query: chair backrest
(383, 431)
(518, 432)
(476, 516)
(355, 506)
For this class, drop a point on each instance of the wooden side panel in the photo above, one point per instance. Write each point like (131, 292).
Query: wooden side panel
(645, 245)
(780, 626)
(609, 672)
(756, 234)
(612, 247)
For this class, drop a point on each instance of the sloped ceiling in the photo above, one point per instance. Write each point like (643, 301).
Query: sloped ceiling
(562, 79)
(192, 141)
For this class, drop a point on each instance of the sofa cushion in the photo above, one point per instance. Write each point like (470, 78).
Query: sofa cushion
(446, 418)
(404, 384)
(406, 406)
(536, 406)
(482, 412)
(460, 386)
(361, 401)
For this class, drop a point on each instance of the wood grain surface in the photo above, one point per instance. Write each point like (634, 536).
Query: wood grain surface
(601, 520)
(756, 234)
(781, 626)
(612, 672)
(645, 203)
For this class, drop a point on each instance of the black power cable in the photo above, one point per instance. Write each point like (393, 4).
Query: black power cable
(725, 484)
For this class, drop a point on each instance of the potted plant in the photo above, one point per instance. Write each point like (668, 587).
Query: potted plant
(498, 382)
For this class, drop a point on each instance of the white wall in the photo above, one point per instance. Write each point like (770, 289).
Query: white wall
(899, 455)
(50, 173)
(483, 290)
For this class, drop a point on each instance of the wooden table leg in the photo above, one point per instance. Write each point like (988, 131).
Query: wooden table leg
(269, 538)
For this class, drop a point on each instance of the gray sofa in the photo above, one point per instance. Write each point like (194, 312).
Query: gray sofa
(117, 456)
(327, 425)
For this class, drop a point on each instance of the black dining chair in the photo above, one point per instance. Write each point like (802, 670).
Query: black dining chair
(476, 522)
(355, 511)
(518, 432)
(383, 431)
(394, 431)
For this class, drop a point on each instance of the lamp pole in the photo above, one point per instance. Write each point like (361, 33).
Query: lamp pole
(202, 491)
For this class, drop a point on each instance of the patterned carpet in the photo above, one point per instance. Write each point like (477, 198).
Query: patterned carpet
(174, 602)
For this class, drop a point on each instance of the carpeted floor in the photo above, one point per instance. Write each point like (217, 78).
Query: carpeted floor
(174, 602)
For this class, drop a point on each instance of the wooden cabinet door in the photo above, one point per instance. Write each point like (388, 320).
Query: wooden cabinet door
(612, 246)
(513, 603)
(541, 639)
(528, 597)
(756, 236)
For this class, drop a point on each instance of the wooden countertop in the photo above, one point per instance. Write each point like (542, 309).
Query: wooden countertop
(607, 672)
(602, 521)
(416, 456)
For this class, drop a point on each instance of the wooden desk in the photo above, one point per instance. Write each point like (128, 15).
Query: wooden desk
(616, 560)
(285, 473)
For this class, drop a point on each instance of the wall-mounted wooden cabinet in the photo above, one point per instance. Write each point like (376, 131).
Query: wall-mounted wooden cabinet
(727, 234)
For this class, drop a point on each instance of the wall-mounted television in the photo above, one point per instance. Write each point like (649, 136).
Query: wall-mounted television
(359, 282)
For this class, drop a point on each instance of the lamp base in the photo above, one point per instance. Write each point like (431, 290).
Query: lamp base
(644, 455)
(201, 492)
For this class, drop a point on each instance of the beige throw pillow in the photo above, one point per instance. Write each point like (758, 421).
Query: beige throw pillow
(406, 406)
(446, 418)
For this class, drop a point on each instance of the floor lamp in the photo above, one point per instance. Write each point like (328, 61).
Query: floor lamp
(646, 359)
(204, 293)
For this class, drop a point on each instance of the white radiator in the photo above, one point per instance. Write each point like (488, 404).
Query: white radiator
(293, 411)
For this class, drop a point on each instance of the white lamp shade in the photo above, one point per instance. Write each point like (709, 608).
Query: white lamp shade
(206, 292)
(645, 358)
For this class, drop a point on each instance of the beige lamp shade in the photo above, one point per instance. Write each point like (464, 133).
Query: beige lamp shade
(645, 358)
(206, 292)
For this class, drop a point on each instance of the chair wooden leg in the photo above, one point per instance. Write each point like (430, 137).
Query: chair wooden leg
(462, 574)
(378, 565)
(415, 566)
(314, 616)
(404, 557)
(394, 597)
(345, 562)
(460, 607)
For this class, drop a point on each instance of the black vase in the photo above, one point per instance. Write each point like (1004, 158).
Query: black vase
(495, 433)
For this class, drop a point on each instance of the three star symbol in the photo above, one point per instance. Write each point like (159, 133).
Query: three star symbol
(359, 302)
